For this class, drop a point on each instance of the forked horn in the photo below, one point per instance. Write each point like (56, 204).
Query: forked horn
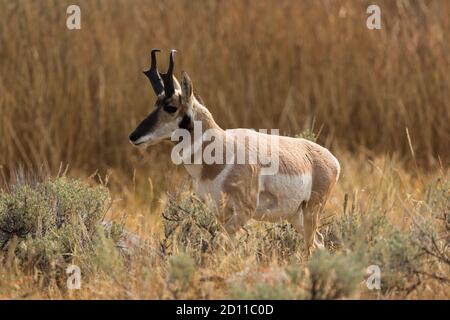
(153, 75)
(169, 87)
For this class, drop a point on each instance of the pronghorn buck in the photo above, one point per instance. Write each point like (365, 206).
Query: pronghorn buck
(238, 191)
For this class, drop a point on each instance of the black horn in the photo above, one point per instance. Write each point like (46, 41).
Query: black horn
(153, 75)
(168, 77)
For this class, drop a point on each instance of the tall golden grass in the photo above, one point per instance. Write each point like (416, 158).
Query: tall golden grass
(72, 97)
(379, 98)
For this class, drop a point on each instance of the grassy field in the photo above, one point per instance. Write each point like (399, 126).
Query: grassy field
(379, 99)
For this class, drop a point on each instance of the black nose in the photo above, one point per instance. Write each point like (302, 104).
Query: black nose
(133, 137)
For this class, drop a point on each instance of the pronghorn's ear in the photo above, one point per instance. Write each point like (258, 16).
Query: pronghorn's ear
(186, 88)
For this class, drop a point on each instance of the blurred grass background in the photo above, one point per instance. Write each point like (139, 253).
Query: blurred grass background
(72, 97)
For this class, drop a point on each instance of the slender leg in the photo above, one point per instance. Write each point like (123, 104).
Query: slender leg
(232, 218)
(311, 232)
(241, 199)
(224, 213)
(308, 232)
(297, 221)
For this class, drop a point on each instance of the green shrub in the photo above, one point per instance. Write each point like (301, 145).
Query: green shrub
(333, 276)
(356, 228)
(188, 225)
(56, 222)
(308, 134)
(325, 276)
(263, 291)
(279, 240)
(404, 255)
(430, 233)
(181, 268)
(398, 258)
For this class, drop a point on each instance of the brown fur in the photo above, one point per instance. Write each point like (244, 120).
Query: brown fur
(296, 157)
(302, 163)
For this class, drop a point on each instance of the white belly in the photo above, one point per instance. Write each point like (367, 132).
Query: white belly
(280, 196)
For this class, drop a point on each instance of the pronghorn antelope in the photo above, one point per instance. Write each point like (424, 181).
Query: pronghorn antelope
(238, 192)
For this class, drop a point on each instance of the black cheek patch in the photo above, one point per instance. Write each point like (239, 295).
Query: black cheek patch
(185, 123)
(147, 124)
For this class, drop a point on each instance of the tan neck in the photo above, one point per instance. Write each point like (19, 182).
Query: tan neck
(201, 113)
(205, 171)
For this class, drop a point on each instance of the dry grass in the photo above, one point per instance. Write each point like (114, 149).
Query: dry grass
(72, 97)
(379, 212)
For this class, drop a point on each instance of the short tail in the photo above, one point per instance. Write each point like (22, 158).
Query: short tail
(338, 168)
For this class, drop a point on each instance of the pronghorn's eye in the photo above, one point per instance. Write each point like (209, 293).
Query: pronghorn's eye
(170, 109)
